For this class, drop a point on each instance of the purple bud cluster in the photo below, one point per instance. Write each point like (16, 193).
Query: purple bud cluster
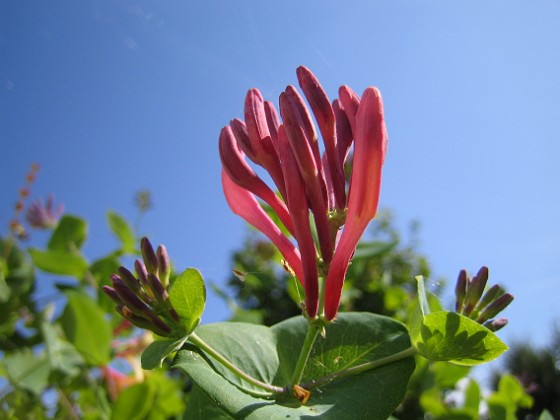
(473, 302)
(143, 298)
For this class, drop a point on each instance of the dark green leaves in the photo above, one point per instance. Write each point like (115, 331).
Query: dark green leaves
(270, 355)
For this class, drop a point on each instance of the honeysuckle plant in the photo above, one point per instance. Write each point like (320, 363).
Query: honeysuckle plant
(320, 200)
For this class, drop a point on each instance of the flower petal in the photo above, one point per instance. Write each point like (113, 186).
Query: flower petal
(245, 205)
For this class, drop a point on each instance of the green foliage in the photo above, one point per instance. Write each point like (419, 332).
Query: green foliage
(122, 230)
(448, 336)
(85, 326)
(159, 350)
(270, 355)
(537, 370)
(65, 354)
(188, 297)
(510, 396)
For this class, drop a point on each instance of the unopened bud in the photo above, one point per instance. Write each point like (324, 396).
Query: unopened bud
(157, 288)
(149, 256)
(495, 308)
(131, 282)
(153, 324)
(490, 295)
(136, 305)
(164, 265)
(496, 324)
(141, 272)
(477, 285)
(109, 291)
(460, 291)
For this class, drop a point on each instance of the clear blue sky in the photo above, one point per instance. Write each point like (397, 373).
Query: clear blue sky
(114, 96)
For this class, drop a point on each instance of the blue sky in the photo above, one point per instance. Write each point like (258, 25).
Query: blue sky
(115, 96)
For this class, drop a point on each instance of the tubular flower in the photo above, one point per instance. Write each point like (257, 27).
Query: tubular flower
(309, 178)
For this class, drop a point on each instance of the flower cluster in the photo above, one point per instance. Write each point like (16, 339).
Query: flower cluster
(144, 299)
(43, 215)
(310, 179)
(471, 301)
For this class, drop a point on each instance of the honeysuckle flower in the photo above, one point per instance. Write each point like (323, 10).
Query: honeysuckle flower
(310, 179)
(370, 146)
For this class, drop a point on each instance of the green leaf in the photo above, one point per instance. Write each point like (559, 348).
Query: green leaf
(201, 407)
(122, 230)
(168, 402)
(373, 249)
(472, 397)
(59, 262)
(154, 355)
(84, 324)
(69, 235)
(63, 357)
(448, 374)
(422, 297)
(270, 355)
(27, 370)
(188, 297)
(135, 402)
(448, 336)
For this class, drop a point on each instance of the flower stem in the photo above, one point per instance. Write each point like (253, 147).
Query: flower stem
(313, 330)
(411, 351)
(271, 389)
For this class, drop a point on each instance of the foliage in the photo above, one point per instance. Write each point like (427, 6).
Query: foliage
(75, 358)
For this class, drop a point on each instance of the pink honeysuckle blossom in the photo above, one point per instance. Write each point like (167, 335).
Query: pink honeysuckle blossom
(370, 146)
(310, 182)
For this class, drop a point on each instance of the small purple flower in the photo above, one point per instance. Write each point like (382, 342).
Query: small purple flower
(43, 215)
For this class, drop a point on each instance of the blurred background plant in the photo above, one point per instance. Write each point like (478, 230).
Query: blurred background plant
(72, 355)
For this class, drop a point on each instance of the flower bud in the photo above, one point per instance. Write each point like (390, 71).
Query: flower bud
(131, 282)
(110, 292)
(476, 288)
(164, 265)
(149, 256)
(324, 115)
(494, 308)
(496, 324)
(460, 291)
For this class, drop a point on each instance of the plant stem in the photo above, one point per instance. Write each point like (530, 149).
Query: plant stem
(271, 389)
(411, 351)
(313, 330)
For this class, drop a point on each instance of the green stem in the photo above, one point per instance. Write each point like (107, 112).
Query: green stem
(322, 283)
(313, 330)
(411, 351)
(271, 389)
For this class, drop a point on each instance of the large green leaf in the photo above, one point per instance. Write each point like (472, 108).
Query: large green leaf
(122, 230)
(188, 297)
(85, 326)
(63, 357)
(270, 355)
(28, 370)
(453, 337)
(60, 262)
(69, 235)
